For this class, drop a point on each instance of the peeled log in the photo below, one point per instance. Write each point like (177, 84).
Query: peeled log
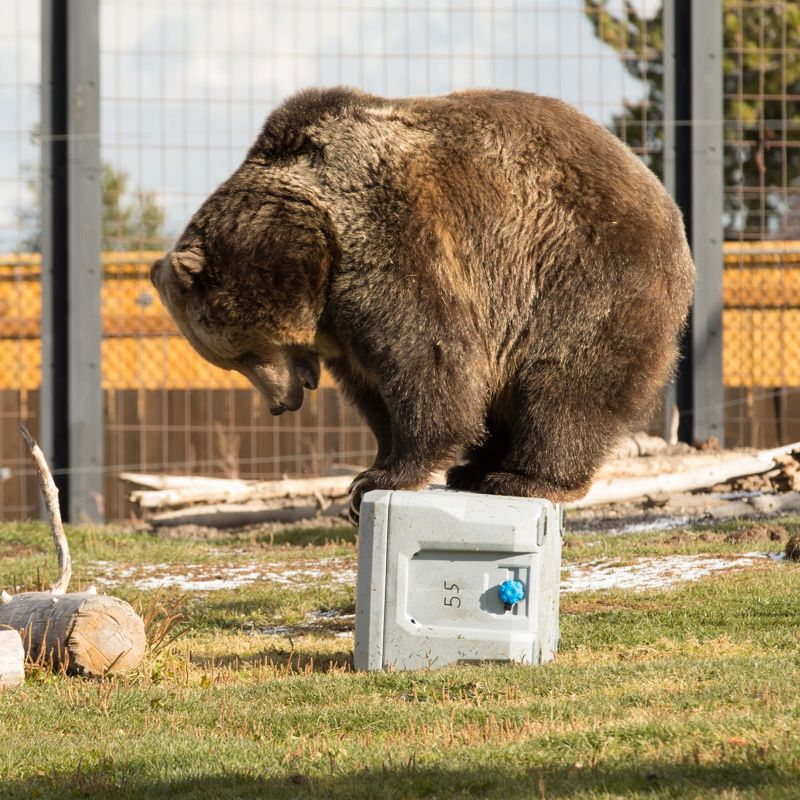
(235, 491)
(232, 515)
(12, 659)
(615, 490)
(84, 632)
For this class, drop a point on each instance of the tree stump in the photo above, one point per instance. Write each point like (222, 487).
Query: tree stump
(12, 659)
(81, 632)
(84, 633)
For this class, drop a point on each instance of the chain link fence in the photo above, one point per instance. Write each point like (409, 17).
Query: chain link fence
(20, 300)
(761, 361)
(185, 91)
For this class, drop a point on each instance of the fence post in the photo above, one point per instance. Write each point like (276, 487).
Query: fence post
(671, 399)
(693, 172)
(71, 396)
(707, 210)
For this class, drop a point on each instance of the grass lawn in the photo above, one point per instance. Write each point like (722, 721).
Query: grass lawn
(682, 692)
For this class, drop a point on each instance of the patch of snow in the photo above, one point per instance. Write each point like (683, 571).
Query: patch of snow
(215, 577)
(740, 495)
(660, 524)
(188, 585)
(652, 573)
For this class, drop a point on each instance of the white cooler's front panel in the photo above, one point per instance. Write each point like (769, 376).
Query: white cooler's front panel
(435, 559)
(457, 589)
(447, 609)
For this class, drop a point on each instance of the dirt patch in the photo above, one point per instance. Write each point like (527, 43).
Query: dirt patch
(793, 548)
(759, 533)
(19, 550)
(678, 538)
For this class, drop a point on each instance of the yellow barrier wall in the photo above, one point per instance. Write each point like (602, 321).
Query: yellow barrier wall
(141, 348)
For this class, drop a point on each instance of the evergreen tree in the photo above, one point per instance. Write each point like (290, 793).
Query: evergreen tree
(135, 223)
(761, 74)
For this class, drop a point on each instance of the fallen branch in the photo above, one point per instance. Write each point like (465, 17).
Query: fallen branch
(82, 632)
(50, 494)
(232, 515)
(12, 659)
(617, 490)
(234, 491)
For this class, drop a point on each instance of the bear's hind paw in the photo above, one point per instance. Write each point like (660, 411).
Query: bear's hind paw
(466, 477)
(513, 484)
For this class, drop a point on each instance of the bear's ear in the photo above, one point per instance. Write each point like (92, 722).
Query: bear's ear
(187, 266)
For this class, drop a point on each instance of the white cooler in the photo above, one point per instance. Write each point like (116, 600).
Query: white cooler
(430, 568)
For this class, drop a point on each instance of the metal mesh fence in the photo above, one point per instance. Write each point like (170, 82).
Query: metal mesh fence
(185, 87)
(20, 355)
(184, 92)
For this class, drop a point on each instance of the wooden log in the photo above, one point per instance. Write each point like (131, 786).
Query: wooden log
(665, 463)
(235, 515)
(621, 489)
(241, 492)
(12, 659)
(639, 444)
(788, 503)
(83, 632)
(152, 481)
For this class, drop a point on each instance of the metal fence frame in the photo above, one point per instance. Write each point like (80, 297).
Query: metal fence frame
(72, 411)
(694, 176)
(71, 398)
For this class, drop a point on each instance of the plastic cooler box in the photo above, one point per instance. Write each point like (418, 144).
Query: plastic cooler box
(431, 565)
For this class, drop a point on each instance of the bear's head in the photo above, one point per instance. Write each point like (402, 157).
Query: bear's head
(247, 280)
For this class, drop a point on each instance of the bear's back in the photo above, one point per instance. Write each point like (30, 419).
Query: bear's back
(494, 150)
(500, 186)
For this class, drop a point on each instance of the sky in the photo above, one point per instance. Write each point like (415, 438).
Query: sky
(186, 85)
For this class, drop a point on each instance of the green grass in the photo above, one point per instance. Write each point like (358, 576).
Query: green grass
(690, 692)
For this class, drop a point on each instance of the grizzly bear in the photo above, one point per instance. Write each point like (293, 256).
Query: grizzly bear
(487, 274)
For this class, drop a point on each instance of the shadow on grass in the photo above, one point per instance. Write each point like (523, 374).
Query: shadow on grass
(302, 537)
(116, 780)
(258, 611)
(291, 661)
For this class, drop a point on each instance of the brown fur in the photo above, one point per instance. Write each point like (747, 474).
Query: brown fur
(489, 273)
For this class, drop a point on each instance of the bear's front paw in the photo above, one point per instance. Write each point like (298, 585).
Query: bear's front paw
(375, 478)
(366, 481)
